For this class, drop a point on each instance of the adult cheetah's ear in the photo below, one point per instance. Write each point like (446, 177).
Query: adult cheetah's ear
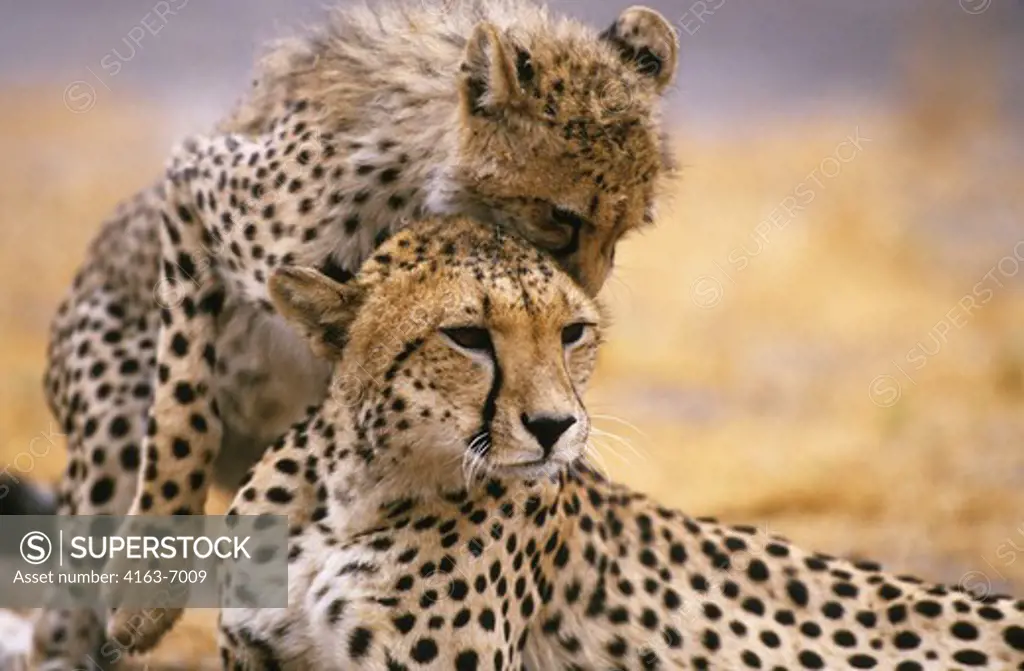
(489, 72)
(645, 38)
(320, 307)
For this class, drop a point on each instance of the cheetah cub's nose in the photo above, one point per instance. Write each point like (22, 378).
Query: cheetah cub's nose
(547, 429)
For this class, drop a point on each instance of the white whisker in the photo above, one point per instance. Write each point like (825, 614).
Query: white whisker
(479, 440)
(620, 440)
(474, 465)
(619, 420)
(604, 449)
(595, 459)
(469, 469)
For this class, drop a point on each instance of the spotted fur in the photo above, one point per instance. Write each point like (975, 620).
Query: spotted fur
(432, 528)
(167, 358)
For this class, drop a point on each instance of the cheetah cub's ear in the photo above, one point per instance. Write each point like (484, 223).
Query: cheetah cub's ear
(490, 78)
(317, 305)
(645, 38)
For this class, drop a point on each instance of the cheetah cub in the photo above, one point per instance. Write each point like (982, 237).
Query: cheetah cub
(442, 516)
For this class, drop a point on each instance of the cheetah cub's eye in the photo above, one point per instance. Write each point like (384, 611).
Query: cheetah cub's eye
(573, 333)
(472, 338)
(564, 217)
(567, 222)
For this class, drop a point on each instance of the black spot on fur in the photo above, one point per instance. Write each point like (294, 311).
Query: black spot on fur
(359, 642)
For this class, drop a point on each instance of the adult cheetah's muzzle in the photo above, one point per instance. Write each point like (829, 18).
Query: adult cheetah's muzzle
(547, 429)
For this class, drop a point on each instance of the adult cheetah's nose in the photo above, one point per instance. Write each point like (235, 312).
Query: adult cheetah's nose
(547, 429)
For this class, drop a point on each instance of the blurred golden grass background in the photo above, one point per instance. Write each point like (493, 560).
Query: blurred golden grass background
(765, 394)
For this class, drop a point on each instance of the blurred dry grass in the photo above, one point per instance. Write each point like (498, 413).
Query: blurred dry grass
(739, 392)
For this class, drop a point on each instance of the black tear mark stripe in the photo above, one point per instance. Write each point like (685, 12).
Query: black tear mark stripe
(490, 409)
(491, 404)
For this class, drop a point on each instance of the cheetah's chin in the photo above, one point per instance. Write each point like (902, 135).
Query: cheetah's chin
(538, 469)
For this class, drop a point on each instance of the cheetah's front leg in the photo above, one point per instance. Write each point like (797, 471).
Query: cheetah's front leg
(184, 428)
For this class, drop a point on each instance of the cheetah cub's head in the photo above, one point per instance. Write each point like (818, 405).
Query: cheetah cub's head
(560, 133)
(459, 349)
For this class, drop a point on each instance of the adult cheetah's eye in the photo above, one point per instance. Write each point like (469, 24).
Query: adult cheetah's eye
(470, 337)
(573, 333)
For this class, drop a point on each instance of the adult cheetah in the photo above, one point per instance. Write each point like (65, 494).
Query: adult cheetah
(167, 349)
(441, 516)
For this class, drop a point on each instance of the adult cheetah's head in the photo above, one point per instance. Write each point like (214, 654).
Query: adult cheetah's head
(458, 346)
(560, 133)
